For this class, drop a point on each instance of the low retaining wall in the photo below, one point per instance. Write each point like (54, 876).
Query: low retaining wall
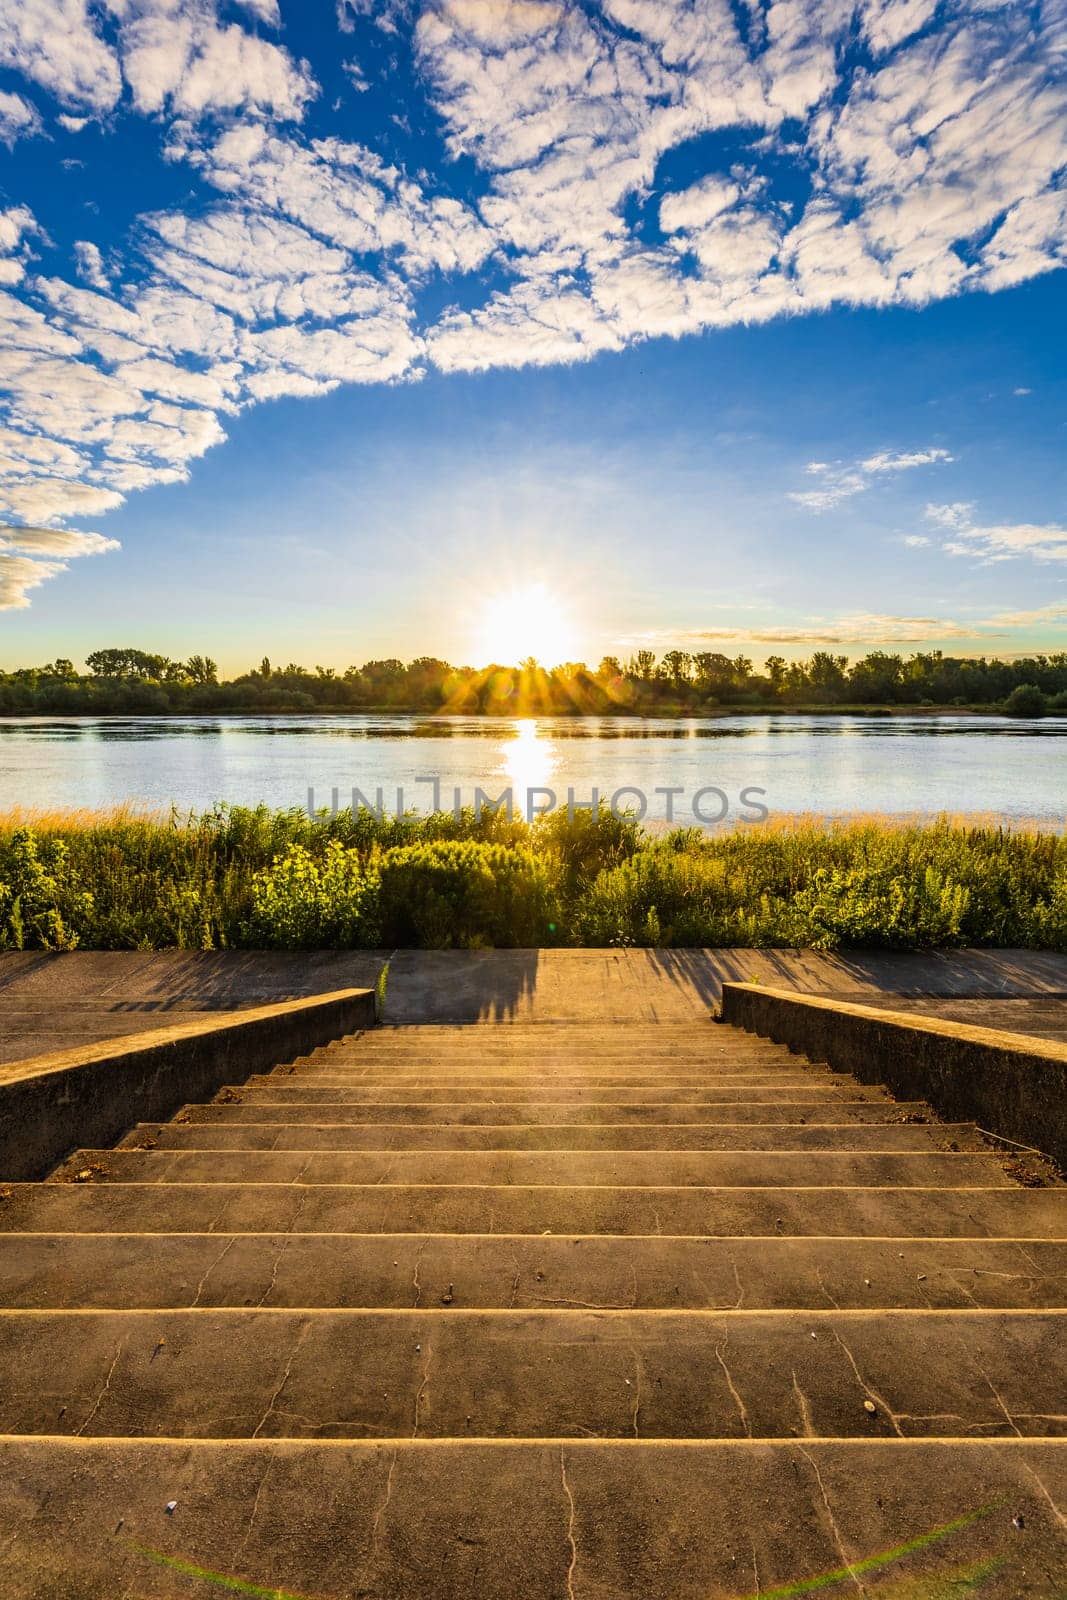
(1010, 1084)
(90, 1096)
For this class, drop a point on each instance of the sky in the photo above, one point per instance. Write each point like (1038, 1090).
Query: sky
(332, 331)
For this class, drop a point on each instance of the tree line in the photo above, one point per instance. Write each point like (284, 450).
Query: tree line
(120, 681)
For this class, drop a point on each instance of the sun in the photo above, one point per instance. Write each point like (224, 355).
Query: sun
(527, 621)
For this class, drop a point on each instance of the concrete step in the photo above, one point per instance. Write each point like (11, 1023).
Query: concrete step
(912, 1519)
(285, 1089)
(1014, 1213)
(712, 1078)
(554, 1113)
(428, 1136)
(649, 1058)
(540, 1168)
(639, 1059)
(240, 1374)
(482, 1271)
(520, 1067)
(474, 1270)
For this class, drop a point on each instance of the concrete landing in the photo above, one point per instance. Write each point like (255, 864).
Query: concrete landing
(51, 1002)
(551, 1311)
(574, 1520)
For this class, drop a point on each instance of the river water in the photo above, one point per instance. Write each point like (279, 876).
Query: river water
(828, 765)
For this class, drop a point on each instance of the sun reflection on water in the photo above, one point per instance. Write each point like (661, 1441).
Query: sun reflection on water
(529, 760)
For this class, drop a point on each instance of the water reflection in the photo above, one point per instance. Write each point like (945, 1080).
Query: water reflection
(529, 759)
(829, 764)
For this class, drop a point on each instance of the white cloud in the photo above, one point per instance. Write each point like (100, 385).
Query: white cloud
(22, 568)
(871, 629)
(698, 205)
(956, 515)
(903, 461)
(174, 55)
(17, 227)
(932, 164)
(54, 541)
(19, 575)
(998, 541)
(90, 264)
(18, 119)
(56, 43)
(179, 57)
(349, 11)
(346, 194)
(838, 482)
(266, 11)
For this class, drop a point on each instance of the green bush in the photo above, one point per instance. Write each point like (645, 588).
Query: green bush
(860, 885)
(469, 895)
(41, 903)
(300, 903)
(1026, 700)
(264, 879)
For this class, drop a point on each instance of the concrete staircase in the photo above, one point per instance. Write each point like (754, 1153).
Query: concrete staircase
(548, 1311)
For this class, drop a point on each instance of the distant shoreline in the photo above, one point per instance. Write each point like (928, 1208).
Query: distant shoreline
(663, 715)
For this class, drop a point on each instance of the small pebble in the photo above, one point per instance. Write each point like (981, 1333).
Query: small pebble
(1018, 1521)
(870, 1407)
(171, 1507)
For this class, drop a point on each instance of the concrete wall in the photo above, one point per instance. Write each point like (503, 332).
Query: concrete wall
(51, 1104)
(1009, 1084)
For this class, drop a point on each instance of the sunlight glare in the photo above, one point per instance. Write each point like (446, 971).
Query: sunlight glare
(529, 758)
(525, 622)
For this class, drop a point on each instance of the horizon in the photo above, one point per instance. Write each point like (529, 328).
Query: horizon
(714, 333)
(493, 664)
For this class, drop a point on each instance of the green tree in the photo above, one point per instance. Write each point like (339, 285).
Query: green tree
(201, 669)
(1026, 700)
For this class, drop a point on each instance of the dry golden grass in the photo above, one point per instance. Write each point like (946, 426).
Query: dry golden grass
(80, 820)
(86, 819)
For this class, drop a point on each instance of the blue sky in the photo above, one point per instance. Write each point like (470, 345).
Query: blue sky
(726, 325)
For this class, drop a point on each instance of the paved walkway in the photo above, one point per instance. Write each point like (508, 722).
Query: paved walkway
(52, 1002)
(572, 1312)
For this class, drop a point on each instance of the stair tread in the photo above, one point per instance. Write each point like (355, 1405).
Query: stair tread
(547, 1168)
(560, 1373)
(533, 1310)
(459, 1113)
(406, 1208)
(486, 1270)
(444, 1521)
(282, 1135)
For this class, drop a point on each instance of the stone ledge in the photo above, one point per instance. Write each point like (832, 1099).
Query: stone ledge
(1011, 1084)
(90, 1095)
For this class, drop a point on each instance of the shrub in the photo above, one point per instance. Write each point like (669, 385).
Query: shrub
(299, 903)
(466, 894)
(41, 904)
(1026, 700)
(281, 880)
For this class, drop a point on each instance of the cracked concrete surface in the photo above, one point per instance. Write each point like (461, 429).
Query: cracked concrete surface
(646, 1313)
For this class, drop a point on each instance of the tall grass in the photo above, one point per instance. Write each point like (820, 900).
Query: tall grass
(235, 877)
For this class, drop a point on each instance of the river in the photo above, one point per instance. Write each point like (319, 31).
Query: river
(719, 769)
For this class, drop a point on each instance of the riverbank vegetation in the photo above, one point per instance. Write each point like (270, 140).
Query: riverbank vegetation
(262, 879)
(131, 682)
